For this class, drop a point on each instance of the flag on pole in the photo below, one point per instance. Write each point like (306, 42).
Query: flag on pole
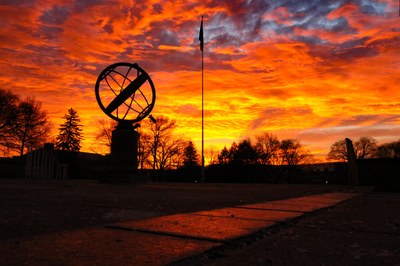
(201, 39)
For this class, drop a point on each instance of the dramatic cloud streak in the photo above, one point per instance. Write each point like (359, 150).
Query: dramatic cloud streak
(313, 70)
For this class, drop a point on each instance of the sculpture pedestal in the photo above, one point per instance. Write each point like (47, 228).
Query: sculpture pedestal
(124, 152)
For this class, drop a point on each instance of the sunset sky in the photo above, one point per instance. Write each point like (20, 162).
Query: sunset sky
(314, 70)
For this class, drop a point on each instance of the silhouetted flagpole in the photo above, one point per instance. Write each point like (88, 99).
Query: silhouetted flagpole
(201, 39)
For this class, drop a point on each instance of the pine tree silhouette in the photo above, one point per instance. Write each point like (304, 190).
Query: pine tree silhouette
(190, 156)
(70, 135)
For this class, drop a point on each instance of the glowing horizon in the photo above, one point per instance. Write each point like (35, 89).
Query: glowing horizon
(307, 70)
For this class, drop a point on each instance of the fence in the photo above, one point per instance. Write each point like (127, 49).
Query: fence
(43, 164)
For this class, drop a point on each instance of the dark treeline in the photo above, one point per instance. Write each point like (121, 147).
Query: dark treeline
(177, 159)
(365, 147)
(24, 126)
(160, 149)
(266, 150)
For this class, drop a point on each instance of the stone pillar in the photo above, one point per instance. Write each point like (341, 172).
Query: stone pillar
(124, 151)
(352, 169)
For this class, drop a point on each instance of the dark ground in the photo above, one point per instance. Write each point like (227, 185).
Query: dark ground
(364, 230)
(31, 207)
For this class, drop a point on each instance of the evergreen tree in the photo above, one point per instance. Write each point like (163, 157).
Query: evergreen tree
(245, 153)
(190, 156)
(70, 135)
(223, 157)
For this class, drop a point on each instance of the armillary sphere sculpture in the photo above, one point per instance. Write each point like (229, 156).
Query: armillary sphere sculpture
(125, 92)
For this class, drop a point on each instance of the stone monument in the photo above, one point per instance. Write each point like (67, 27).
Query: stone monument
(352, 167)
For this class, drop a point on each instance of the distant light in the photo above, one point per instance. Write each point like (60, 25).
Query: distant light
(326, 182)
